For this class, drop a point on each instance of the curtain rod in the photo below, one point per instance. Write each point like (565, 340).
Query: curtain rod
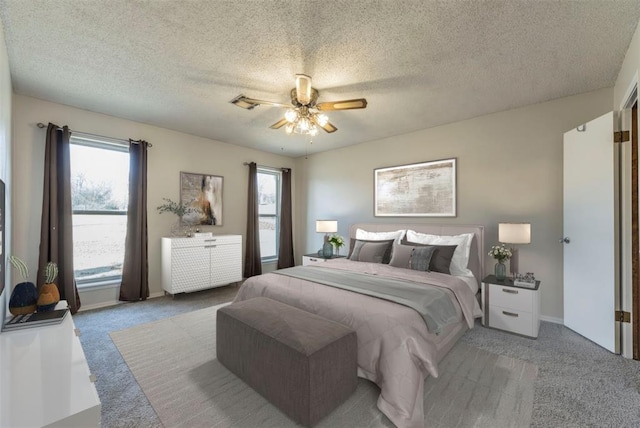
(42, 125)
(263, 166)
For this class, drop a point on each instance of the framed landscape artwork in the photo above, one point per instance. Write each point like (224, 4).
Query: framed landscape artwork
(203, 194)
(426, 189)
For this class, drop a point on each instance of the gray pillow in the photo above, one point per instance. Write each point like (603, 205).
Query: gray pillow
(371, 251)
(421, 257)
(401, 257)
(441, 257)
(416, 257)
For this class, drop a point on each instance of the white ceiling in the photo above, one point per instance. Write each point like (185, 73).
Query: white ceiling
(420, 64)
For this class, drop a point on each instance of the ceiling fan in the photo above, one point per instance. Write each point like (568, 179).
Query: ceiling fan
(304, 114)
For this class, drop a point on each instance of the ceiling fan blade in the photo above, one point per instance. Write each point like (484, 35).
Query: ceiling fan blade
(303, 89)
(343, 105)
(279, 124)
(251, 103)
(329, 127)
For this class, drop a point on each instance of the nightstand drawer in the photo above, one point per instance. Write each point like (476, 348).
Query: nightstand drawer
(308, 260)
(510, 297)
(511, 320)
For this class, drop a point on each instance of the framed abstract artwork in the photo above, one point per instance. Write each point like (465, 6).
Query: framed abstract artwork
(426, 189)
(203, 194)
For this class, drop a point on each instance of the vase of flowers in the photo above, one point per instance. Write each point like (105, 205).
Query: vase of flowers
(337, 241)
(179, 209)
(501, 254)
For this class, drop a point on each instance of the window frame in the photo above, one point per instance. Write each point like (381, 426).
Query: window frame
(103, 143)
(278, 174)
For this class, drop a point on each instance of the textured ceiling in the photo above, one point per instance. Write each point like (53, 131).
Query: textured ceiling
(420, 64)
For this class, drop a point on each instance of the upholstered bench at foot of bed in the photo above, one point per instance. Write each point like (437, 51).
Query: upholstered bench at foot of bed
(303, 364)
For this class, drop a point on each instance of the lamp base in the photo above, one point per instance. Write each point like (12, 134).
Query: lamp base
(513, 263)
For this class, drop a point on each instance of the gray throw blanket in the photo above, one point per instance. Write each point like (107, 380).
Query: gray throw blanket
(432, 303)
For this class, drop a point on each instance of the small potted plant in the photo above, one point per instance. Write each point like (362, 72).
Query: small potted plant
(24, 298)
(337, 241)
(179, 209)
(49, 296)
(501, 254)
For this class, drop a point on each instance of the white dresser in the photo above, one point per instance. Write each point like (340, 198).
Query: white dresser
(509, 307)
(192, 264)
(45, 379)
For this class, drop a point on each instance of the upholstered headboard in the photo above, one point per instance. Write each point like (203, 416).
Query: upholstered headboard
(476, 254)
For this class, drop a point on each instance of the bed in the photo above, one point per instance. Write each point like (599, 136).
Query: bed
(396, 349)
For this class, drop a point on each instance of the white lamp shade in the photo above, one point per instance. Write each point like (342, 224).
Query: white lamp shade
(514, 233)
(326, 226)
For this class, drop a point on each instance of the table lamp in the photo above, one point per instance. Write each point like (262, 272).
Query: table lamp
(326, 227)
(514, 233)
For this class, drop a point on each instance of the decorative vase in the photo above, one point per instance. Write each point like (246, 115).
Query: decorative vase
(500, 271)
(327, 250)
(337, 252)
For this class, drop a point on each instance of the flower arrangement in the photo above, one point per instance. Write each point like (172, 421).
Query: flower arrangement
(500, 253)
(336, 240)
(177, 208)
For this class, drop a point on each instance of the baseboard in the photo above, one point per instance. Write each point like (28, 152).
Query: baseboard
(115, 302)
(552, 319)
(97, 305)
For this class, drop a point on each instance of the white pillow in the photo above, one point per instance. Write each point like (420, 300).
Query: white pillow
(460, 258)
(380, 236)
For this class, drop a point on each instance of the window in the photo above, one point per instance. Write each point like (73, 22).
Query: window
(269, 212)
(99, 198)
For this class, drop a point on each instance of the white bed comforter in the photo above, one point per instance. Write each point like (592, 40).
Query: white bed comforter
(394, 346)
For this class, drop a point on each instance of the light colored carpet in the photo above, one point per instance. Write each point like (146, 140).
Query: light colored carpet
(173, 360)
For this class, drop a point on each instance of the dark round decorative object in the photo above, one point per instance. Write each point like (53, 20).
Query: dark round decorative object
(24, 299)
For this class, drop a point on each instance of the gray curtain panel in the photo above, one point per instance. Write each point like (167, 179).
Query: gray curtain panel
(252, 259)
(285, 256)
(56, 230)
(135, 271)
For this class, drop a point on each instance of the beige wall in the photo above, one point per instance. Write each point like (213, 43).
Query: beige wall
(509, 170)
(171, 153)
(6, 94)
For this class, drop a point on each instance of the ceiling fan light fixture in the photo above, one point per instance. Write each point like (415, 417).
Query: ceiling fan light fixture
(291, 115)
(303, 115)
(322, 119)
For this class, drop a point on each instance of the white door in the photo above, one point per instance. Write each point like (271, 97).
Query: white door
(590, 218)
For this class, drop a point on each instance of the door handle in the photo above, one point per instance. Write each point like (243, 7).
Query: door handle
(565, 240)
(506, 290)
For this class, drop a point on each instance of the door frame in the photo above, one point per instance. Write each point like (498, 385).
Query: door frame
(630, 224)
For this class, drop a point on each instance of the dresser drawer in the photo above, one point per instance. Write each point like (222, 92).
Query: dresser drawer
(511, 320)
(511, 298)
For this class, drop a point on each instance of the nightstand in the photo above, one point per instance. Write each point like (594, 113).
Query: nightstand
(309, 259)
(510, 307)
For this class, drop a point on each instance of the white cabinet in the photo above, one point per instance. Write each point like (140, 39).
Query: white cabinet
(191, 264)
(45, 378)
(511, 308)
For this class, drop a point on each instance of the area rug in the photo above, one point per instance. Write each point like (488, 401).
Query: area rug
(174, 362)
